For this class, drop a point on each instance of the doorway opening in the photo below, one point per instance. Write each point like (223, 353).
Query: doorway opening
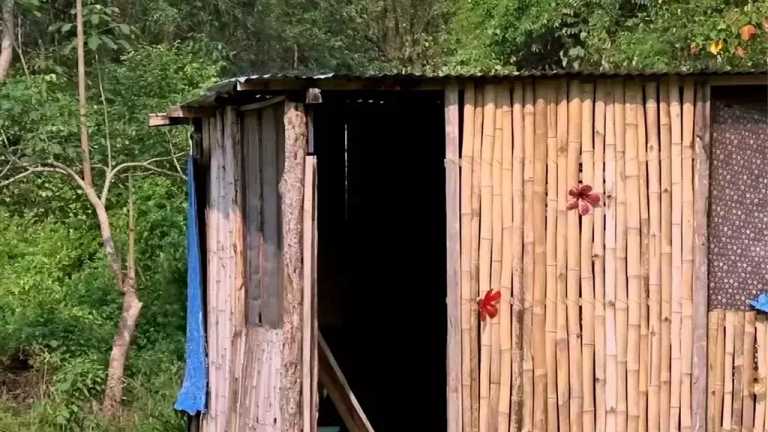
(382, 253)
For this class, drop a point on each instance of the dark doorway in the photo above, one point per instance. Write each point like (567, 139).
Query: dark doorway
(381, 253)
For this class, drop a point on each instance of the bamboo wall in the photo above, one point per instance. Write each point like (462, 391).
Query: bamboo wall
(598, 313)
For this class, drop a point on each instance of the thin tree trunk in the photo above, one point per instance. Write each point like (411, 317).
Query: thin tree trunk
(6, 46)
(84, 145)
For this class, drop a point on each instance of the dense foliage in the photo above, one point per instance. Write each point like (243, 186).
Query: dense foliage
(58, 304)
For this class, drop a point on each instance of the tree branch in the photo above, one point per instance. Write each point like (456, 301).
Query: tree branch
(147, 164)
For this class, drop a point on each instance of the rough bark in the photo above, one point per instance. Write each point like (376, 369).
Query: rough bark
(6, 43)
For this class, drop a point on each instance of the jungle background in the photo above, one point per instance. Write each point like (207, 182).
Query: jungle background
(59, 308)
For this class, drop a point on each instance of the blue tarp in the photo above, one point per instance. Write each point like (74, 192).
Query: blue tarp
(761, 302)
(191, 397)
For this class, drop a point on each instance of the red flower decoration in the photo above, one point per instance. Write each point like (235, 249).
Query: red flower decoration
(583, 199)
(487, 304)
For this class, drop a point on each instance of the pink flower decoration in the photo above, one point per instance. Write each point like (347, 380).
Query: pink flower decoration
(583, 199)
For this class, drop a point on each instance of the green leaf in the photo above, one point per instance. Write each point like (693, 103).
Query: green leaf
(93, 42)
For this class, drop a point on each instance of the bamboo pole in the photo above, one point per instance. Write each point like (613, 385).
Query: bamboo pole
(563, 372)
(474, 342)
(505, 311)
(677, 254)
(587, 281)
(517, 257)
(654, 255)
(621, 260)
(738, 370)
(747, 399)
(665, 137)
(730, 325)
(634, 273)
(686, 421)
(573, 260)
(713, 320)
(467, 149)
(551, 292)
(598, 257)
(642, 158)
(493, 407)
(539, 258)
(611, 348)
(762, 373)
(597, 254)
(486, 241)
(719, 371)
(528, 258)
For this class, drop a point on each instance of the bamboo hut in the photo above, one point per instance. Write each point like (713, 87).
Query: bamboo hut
(527, 252)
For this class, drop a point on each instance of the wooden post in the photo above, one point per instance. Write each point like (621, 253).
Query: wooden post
(587, 281)
(309, 329)
(563, 372)
(700, 263)
(467, 149)
(598, 257)
(453, 261)
(517, 258)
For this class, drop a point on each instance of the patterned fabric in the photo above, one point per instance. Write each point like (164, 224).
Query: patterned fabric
(738, 215)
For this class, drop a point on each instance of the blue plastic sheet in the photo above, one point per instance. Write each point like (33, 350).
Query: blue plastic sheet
(760, 303)
(191, 397)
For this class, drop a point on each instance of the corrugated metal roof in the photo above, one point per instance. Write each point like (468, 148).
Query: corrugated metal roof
(284, 81)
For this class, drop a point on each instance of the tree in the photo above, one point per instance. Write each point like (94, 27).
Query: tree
(6, 43)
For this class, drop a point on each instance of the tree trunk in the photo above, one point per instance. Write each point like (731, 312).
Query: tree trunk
(6, 46)
(113, 394)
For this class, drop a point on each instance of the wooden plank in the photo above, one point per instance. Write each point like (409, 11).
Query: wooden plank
(252, 189)
(598, 245)
(738, 370)
(517, 258)
(573, 273)
(262, 104)
(467, 149)
(585, 258)
(700, 264)
(271, 279)
(335, 383)
(730, 325)
(747, 395)
(453, 261)
(309, 318)
(539, 257)
(762, 375)
(563, 372)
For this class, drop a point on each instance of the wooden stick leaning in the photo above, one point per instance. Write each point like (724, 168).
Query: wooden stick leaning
(686, 329)
(634, 274)
(551, 255)
(598, 257)
(496, 265)
(466, 254)
(563, 376)
(654, 257)
(528, 257)
(474, 342)
(517, 258)
(621, 259)
(539, 258)
(505, 308)
(573, 258)
(587, 281)
(611, 348)
(665, 165)
(677, 254)
(486, 240)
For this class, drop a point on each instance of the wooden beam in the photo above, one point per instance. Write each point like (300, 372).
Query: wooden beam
(309, 317)
(262, 104)
(453, 265)
(338, 389)
(163, 119)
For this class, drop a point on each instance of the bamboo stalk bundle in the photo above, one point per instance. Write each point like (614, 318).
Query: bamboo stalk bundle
(573, 258)
(634, 274)
(762, 375)
(730, 325)
(539, 258)
(517, 257)
(587, 281)
(486, 240)
(665, 137)
(686, 421)
(677, 254)
(474, 342)
(611, 347)
(654, 255)
(505, 311)
(642, 157)
(528, 258)
(598, 258)
(551, 294)
(747, 399)
(713, 320)
(467, 150)
(621, 260)
(493, 400)
(719, 371)
(563, 375)
(738, 370)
